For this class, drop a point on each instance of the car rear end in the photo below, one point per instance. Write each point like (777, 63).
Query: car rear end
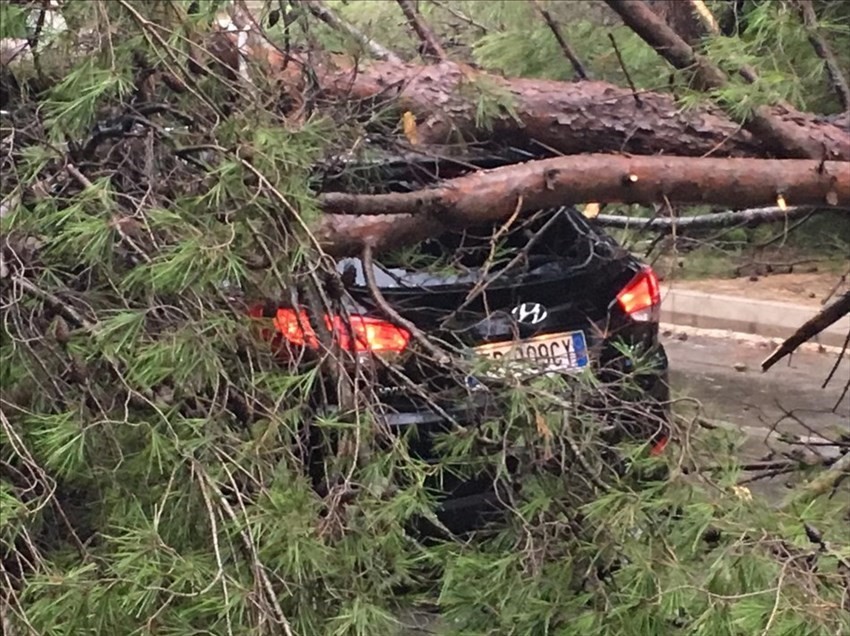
(552, 294)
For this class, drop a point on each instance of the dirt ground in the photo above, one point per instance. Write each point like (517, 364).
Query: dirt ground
(805, 289)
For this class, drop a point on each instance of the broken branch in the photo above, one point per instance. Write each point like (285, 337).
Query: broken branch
(839, 82)
(808, 330)
(716, 220)
(461, 16)
(564, 117)
(820, 484)
(705, 16)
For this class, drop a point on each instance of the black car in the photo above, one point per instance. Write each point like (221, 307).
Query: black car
(551, 290)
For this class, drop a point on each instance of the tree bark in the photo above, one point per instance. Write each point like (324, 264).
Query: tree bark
(492, 195)
(559, 117)
(567, 117)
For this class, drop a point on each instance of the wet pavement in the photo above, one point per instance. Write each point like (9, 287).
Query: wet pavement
(725, 375)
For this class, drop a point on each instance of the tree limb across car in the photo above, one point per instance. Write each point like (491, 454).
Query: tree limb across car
(492, 195)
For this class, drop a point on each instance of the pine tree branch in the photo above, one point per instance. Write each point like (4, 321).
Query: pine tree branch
(567, 117)
(375, 290)
(562, 42)
(808, 330)
(821, 484)
(786, 139)
(395, 219)
(713, 28)
(705, 16)
(257, 566)
(625, 69)
(430, 43)
(461, 16)
(60, 306)
(491, 195)
(823, 50)
(378, 51)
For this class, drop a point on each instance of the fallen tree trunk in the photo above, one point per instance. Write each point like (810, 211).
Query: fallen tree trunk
(447, 100)
(568, 117)
(486, 196)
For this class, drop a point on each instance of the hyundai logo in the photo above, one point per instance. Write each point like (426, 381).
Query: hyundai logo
(531, 313)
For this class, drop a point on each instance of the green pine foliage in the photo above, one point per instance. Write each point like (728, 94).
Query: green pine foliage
(155, 454)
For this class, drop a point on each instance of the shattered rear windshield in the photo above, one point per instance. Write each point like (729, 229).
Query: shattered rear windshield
(529, 246)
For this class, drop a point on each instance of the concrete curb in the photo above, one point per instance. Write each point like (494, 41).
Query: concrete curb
(770, 319)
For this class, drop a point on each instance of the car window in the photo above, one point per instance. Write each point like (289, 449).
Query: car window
(553, 234)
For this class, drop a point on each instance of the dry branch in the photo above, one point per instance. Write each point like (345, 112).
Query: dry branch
(716, 220)
(460, 16)
(785, 138)
(824, 318)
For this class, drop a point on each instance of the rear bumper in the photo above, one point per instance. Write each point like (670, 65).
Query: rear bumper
(652, 387)
(465, 503)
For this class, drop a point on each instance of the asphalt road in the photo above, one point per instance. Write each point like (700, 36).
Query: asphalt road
(725, 375)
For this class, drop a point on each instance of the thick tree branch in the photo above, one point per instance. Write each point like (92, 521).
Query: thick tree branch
(492, 194)
(570, 117)
(824, 318)
(405, 218)
(430, 43)
(785, 138)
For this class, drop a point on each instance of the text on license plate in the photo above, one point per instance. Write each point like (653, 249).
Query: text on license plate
(551, 352)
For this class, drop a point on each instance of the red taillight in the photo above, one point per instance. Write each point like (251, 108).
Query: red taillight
(364, 335)
(641, 298)
(659, 446)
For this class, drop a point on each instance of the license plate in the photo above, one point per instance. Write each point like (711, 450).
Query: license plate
(553, 352)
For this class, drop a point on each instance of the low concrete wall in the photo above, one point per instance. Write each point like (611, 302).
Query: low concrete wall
(770, 319)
